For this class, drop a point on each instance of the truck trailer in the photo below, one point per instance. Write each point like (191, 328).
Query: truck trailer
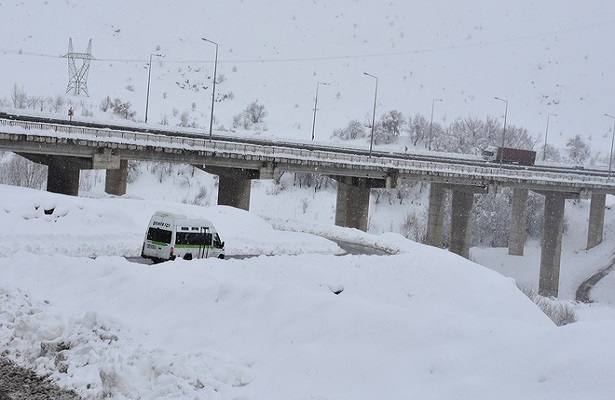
(509, 155)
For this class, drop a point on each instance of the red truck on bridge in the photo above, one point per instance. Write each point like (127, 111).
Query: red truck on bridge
(509, 155)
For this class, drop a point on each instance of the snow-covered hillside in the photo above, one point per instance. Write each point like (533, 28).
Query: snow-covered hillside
(422, 323)
(543, 58)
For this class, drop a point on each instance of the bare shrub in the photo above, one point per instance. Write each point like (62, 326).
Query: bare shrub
(200, 199)
(106, 104)
(561, 313)
(255, 112)
(184, 119)
(305, 203)
(413, 228)
(278, 186)
(123, 108)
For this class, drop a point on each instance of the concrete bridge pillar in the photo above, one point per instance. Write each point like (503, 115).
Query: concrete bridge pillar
(116, 180)
(551, 244)
(234, 188)
(595, 229)
(352, 206)
(435, 217)
(460, 222)
(62, 178)
(518, 222)
(235, 184)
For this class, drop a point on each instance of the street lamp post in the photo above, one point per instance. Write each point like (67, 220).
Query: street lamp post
(503, 131)
(612, 140)
(544, 150)
(431, 122)
(315, 104)
(213, 91)
(371, 143)
(149, 76)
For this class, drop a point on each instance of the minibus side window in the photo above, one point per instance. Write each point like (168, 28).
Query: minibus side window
(189, 238)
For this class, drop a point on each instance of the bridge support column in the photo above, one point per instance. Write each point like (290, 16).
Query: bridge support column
(116, 179)
(234, 189)
(460, 222)
(551, 244)
(435, 216)
(235, 184)
(352, 206)
(595, 229)
(63, 179)
(518, 222)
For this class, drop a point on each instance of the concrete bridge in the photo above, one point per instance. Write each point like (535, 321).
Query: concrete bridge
(66, 149)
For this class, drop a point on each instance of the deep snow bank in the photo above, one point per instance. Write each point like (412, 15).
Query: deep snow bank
(429, 323)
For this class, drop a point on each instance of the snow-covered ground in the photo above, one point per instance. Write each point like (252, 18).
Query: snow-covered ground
(420, 323)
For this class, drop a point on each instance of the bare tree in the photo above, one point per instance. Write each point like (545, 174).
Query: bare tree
(390, 127)
(578, 149)
(418, 128)
(36, 102)
(58, 103)
(19, 97)
(550, 153)
(19, 171)
(354, 130)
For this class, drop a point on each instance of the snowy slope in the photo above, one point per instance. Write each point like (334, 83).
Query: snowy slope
(422, 323)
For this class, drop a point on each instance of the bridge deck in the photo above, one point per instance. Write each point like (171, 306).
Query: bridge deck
(82, 141)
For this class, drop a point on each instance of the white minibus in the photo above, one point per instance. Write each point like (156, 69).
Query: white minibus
(170, 236)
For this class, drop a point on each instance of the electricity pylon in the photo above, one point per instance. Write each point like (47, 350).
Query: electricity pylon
(78, 77)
